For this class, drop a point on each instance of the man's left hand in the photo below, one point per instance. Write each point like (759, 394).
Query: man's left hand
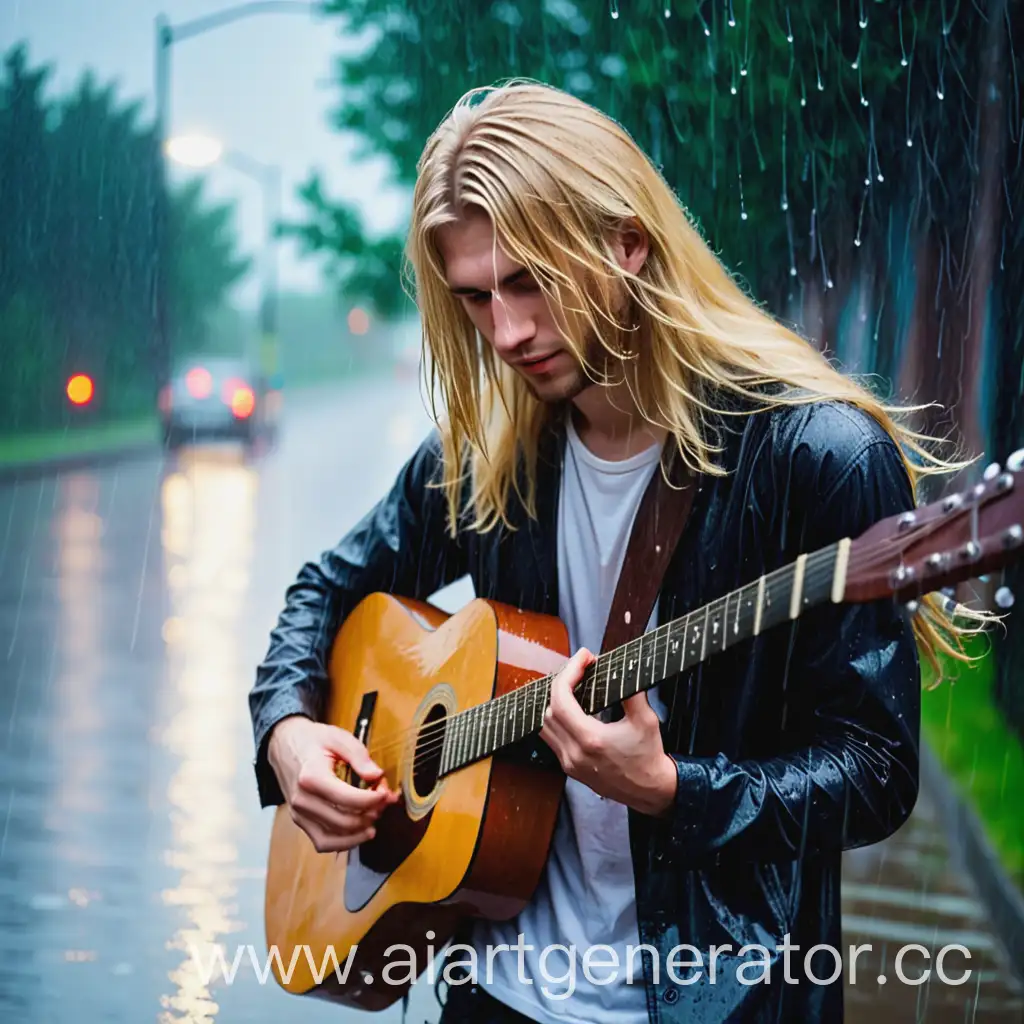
(623, 760)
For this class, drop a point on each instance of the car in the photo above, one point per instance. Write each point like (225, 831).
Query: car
(218, 398)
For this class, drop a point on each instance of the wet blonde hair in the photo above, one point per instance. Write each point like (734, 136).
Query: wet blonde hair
(556, 177)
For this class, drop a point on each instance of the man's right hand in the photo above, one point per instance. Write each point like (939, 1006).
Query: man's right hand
(335, 815)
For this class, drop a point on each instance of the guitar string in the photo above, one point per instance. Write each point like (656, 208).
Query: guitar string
(815, 576)
(820, 567)
(429, 748)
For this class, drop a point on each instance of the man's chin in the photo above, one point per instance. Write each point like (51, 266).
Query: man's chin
(561, 388)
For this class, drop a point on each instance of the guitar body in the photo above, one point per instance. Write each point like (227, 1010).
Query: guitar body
(472, 843)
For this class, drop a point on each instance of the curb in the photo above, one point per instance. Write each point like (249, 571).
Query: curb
(31, 470)
(1001, 898)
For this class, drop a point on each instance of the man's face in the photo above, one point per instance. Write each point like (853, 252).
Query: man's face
(509, 309)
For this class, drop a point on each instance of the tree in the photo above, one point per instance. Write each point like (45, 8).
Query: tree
(78, 250)
(768, 122)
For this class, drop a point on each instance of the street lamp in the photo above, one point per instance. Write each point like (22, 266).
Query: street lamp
(165, 38)
(199, 151)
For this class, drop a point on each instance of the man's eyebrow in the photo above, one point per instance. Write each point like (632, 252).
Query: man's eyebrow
(506, 280)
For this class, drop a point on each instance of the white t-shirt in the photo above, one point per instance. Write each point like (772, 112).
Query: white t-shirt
(586, 897)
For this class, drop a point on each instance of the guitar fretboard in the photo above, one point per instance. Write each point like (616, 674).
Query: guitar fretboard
(663, 652)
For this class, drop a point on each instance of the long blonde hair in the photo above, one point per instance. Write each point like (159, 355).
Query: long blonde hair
(556, 176)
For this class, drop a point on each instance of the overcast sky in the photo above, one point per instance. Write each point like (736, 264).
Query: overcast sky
(261, 85)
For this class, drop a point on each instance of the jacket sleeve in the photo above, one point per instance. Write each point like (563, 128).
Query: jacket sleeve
(400, 546)
(849, 777)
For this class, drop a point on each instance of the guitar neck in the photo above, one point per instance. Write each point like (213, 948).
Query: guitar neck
(657, 655)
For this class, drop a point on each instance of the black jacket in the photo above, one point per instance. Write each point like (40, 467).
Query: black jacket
(791, 747)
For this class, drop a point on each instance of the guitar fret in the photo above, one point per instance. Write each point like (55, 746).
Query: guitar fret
(629, 659)
(648, 660)
(760, 604)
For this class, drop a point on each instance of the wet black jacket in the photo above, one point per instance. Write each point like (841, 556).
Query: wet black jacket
(791, 747)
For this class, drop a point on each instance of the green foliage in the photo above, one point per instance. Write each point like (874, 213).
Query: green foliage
(363, 268)
(30, 347)
(784, 134)
(204, 266)
(962, 723)
(80, 253)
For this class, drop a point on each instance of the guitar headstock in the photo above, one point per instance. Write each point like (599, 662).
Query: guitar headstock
(962, 536)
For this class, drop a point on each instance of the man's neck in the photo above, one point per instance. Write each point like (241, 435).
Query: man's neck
(610, 425)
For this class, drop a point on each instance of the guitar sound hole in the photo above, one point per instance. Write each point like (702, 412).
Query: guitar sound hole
(429, 744)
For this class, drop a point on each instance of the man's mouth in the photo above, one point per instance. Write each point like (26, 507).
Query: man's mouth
(540, 365)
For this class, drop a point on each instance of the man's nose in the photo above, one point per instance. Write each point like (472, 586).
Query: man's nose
(513, 326)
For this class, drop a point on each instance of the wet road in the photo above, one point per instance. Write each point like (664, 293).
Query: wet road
(135, 602)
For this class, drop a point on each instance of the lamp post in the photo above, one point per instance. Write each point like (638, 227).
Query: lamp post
(166, 36)
(200, 151)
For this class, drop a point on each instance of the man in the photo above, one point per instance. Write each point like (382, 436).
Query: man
(579, 328)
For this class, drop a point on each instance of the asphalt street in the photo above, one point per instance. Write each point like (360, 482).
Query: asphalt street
(135, 602)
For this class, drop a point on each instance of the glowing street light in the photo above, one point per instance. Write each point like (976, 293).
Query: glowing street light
(194, 150)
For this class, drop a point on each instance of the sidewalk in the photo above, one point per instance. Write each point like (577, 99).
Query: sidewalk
(910, 890)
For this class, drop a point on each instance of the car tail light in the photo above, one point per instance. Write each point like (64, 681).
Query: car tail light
(80, 389)
(243, 401)
(199, 382)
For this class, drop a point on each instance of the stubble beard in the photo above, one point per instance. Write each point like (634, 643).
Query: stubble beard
(575, 380)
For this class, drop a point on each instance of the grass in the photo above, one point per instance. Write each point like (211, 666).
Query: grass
(985, 759)
(18, 449)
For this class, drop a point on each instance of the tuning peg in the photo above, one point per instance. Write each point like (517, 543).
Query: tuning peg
(912, 607)
(1016, 461)
(992, 470)
(1004, 597)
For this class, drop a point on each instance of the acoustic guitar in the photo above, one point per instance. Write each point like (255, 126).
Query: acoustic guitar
(438, 698)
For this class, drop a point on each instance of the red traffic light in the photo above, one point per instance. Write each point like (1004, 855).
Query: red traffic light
(80, 389)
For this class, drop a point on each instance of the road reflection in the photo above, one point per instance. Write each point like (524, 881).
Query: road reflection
(208, 503)
(81, 799)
